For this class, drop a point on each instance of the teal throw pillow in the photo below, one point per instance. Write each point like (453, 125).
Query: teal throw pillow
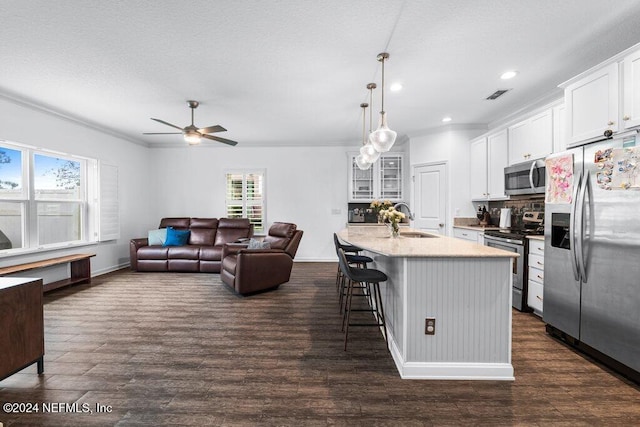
(157, 237)
(176, 237)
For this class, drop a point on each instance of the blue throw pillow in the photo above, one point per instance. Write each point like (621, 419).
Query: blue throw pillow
(176, 237)
(157, 237)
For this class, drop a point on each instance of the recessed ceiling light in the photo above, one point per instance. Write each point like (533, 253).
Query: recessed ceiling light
(446, 119)
(395, 87)
(508, 75)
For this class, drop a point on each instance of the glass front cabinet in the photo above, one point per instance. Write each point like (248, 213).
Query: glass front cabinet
(383, 180)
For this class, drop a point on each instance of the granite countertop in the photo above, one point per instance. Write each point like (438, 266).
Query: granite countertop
(477, 227)
(429, 245)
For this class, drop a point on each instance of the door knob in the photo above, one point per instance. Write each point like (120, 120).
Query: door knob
(441, 225)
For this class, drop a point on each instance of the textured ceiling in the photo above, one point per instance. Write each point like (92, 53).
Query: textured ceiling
(293, 72)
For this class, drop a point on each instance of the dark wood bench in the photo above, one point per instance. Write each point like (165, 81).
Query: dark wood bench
(80, 269)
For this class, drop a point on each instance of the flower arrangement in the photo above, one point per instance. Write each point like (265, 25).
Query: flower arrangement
(392, 218)
(376, 206)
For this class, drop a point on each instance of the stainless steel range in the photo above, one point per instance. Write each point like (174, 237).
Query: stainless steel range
(515, 240)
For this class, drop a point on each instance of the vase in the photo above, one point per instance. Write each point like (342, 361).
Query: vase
(394, 230)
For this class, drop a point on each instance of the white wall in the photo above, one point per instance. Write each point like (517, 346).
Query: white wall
(451, 145)
(26, 125)
(303, 185)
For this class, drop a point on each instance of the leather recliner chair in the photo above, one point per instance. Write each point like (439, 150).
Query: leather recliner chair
(247, 271)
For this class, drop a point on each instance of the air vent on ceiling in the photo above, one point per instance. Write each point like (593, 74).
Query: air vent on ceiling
(497, 94)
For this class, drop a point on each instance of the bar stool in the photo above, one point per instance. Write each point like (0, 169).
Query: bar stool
(352, 259)
(368, 280)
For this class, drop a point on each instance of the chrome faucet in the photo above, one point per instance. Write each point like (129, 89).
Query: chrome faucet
(397, 205)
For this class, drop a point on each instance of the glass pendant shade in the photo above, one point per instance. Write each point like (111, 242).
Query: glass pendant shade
(362, 163)
(369, 153)
(382, 138)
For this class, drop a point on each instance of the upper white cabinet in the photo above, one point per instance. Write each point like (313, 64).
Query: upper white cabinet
(607, 97)
(488, 157)
(631, 99)
(390, 181)
(497, 149)
(559, 129)
(532, 138)
(383, 180)
(591, 104)
(478, 169)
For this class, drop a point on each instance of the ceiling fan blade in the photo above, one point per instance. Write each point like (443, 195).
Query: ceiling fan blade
(166, 123)
(217, 138)
(212, 129)
(162, 133)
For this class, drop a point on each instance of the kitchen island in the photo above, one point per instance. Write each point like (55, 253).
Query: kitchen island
(464, 286)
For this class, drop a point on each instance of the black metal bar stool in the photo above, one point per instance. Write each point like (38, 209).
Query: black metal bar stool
(368, 281)
(352, 259)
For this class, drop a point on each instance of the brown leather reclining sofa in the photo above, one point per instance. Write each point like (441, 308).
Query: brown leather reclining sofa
(203, 251)
(247, 271)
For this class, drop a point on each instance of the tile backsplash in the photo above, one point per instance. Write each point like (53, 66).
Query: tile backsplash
(518, 208)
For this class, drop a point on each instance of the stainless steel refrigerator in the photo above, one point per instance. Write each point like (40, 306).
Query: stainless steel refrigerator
(592, 250)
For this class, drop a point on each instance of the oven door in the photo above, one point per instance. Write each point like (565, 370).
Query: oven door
(518, 292)
(525, 178)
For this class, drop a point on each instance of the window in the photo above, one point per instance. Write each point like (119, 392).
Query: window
(43, 198)
(245, 197)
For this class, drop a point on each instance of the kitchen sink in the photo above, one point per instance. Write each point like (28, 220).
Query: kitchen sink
(414, 235)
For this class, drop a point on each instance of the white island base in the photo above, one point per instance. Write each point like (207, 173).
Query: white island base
(465, 287)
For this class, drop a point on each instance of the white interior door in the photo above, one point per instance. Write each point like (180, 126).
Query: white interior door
(430, 197)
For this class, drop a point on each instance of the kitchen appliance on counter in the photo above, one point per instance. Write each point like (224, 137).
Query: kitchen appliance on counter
(515, 240)
(505, 218)
(356, 215)
(483, 216)
(592, 248)
(525, 178)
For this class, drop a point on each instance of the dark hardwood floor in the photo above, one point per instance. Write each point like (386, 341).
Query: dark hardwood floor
(180, 349)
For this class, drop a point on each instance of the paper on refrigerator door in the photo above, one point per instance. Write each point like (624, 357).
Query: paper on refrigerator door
(618, 169)
(559, 179)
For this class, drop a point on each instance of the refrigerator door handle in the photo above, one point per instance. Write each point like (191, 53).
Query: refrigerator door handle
(582, 259)
(572, 228)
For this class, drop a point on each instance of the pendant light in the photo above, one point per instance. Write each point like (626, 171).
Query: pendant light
(383, 138)
(362, 162)
(368, 151)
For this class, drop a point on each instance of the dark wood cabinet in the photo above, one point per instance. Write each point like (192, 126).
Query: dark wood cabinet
(21, 325)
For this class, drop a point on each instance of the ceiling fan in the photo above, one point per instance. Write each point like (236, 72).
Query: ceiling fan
(192, 134)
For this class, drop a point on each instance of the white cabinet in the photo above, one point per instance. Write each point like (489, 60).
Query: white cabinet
(631, 82)
(383, 180)
(478, 169)
(497, 160)
(536, 276)
(559, 129)
(488, 158)
(390, 176)
(475, 236)
(532, 138)
(360, 181)
(605, 99)
(592, 104)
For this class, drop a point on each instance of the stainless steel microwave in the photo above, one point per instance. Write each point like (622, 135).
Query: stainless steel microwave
(525, 178)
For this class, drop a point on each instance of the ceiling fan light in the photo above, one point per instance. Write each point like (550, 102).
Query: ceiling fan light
(362, 163)
(192, 138)
(369, 153)
(382, 138)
